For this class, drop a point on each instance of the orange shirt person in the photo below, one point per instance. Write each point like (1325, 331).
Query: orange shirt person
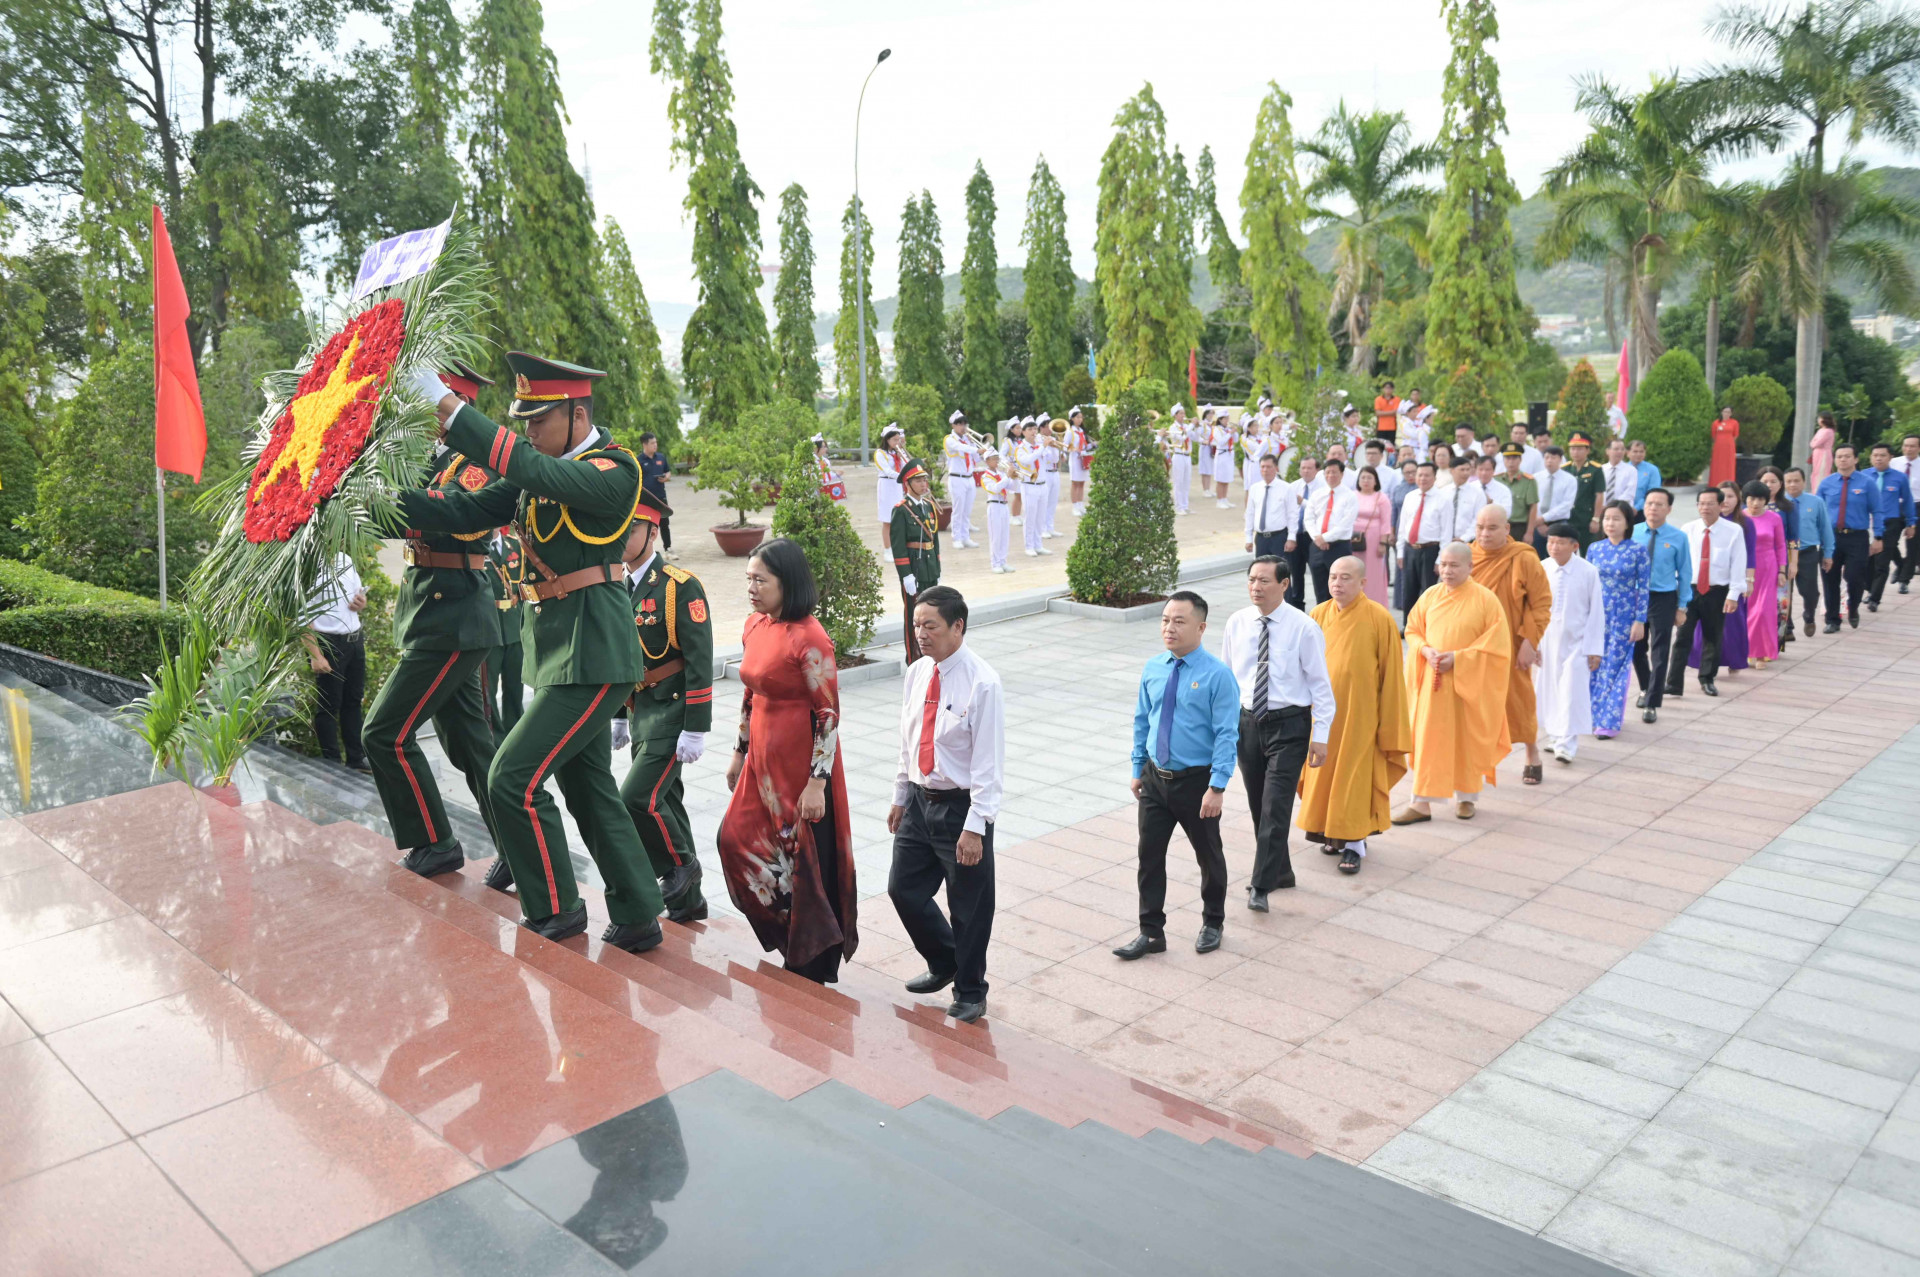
(1386, 413)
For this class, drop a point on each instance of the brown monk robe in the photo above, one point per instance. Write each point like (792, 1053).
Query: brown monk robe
(1512, 571)
(1345, 801)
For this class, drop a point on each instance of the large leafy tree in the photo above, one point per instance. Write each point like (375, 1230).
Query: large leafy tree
(1370, 163)
(856, 296)
(112, 227)
(797, 368)
(1474, 314)
(1842, 70)
(655, 408)
(1223, 255)
(1288, 299)
(982, 384)
(1049, 283)
(726, 356)
(1143, 255)
(919, 325)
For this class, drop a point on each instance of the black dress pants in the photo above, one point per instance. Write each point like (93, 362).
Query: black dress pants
(1707, 613)
(1892, 543)
(1851, 558)
(1270, 543)
(924, 857)
(1320, 561)
(1297, 571)
(338, 704)
(1650, 653)
(1807, 581)
(1167, 800)
(1272, 751)
(1422, 572)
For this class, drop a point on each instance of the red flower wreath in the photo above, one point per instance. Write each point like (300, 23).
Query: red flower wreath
(326, 424)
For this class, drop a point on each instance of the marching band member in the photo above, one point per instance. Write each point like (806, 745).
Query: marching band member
(963, 459)
(1416, 423)
(1051, 458)
(830, 481)
(1178, 445)
(1079, 460)
(1033, 488)
(993, 481)
(1013, 437)
(1203, 435)
(1252, 447)
(1223, 440)
(887, 461)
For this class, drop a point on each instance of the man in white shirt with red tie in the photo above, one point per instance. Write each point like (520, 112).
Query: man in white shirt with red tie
(946, 796)
(1331, 511)
(1422, 529)
(1718, 552)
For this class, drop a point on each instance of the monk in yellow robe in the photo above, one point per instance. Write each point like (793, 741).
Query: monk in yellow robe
(1512, 571)
(1459, 660)
(1345, 800)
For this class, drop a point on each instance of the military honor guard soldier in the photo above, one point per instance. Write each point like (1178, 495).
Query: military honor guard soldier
(916, 544)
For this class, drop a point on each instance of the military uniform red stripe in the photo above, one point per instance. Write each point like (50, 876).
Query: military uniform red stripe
(533, 786)
(406, 734)
(700, 697)
(653, 808)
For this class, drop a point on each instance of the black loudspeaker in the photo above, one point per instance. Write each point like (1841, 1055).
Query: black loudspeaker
(1536, 418)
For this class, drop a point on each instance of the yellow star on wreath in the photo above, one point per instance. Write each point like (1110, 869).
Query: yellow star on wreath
(313, 415)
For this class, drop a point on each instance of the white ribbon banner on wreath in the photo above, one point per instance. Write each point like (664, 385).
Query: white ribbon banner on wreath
(402, 257)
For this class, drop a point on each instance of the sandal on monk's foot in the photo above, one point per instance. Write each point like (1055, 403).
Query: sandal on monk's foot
(1465, 810)
(1349, 861)
(1411, 815)
(1531, 774)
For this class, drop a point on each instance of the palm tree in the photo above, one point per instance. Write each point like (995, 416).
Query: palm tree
(1729, 244)
(1370, 161)
(1840, 64)
(1638, 183)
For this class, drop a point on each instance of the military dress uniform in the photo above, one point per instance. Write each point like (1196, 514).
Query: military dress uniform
(445, 623)
(674, 696)
(915, 537)
(573, 513)
(501, 687)
(1586, 498)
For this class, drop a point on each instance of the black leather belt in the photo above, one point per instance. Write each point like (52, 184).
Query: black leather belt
(1284, 711)
(1180, 773)
(943, 795)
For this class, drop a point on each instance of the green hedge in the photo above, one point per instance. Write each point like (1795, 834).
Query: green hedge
(90, 625)
(23, 585)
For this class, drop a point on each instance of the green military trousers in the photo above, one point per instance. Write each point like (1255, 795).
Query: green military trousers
(566, 733)
(655, 794)
(501, 690)
(443, 687)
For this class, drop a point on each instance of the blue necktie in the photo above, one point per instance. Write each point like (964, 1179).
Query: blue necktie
(1163, 748)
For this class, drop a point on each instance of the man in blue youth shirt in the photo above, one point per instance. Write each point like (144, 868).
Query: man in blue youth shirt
(1669, 588)
(1815, 539)
(654, 470)
(1853, 505)
(1896, 521)
(1649, 476)
(1186, 727)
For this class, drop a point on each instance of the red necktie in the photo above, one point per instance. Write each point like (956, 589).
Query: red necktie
(1418, 511)
(926, 723)
(1327, 518)
(1704, 581)
(1841, 522)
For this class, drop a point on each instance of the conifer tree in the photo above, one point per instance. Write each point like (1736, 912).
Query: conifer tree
(1125, 551)
(982, 385)
(1474, 311)
(919, 325)
(1180, 196)
(112, 225)
(655, 409)
(856, 295)
(726, 355)
(797, 369)
(1223, 255)
(1140, 276)
(1049, 283)
(1288, 297)
(1582, 406)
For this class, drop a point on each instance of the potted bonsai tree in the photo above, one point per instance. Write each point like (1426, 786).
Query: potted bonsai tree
(745, 461)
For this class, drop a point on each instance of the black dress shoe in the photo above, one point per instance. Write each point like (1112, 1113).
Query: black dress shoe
(1873, 605)
(558, 926)
(1903, 587)
(500, 876)
(365, 768)
(1650, 716)
(1853, 619)
(681, 891)
(1350, 861)
(1807, 629)
(1256, 900)
(434, 860)
(1707, 688)
(1831, 627)
(1672, 693)
(967, 1012)
(634, 937)
(689, 910)
(1208, 941)
(929, 982)
(1642, 702)
(1140, 946)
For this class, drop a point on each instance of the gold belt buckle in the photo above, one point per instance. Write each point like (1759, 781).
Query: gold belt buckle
(408, 551)
(529, 594)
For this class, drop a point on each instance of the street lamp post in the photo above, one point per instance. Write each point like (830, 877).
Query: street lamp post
(859, 256)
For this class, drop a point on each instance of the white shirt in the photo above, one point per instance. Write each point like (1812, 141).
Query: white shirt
(1331, 512)
(1296, 662)
(1906, 467)
(1532, 464)
(1728, 564)
(1459, 505)
(1272, 507)
(1416, 423)
(1496, 493)
(1432, 509)
(1557, 491)
(1617, 421)
(634, 574)
(969, 734)
(333, 596)
(1302, 489)
(962, 458)
(1623, 482)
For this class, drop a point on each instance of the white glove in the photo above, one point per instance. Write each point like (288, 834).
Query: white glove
(622, 733)
(690, 746)
(909, 584)
(427, 384)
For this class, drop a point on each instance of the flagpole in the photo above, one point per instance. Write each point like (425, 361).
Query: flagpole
(160, 490)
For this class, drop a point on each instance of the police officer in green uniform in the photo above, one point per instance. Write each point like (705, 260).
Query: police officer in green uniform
(500, 684)
(445, 623)
(915, 538)
(671, 711)
(1593, 487)
(574, 493)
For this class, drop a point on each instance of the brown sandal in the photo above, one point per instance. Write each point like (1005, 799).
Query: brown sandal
(1531, 774)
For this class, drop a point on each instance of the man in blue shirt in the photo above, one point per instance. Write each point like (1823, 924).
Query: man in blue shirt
(1649, 476)
(1815, 538)
(1896, 521)
(1186, 728)
(654, 469)
(1853, 505)
(1669, 588)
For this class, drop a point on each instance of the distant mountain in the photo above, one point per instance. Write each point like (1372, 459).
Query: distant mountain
(1013, 286)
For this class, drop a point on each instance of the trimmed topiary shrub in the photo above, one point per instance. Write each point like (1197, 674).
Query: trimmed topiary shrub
(1762, 406)
(849, 579)
(1582, 406)
(1125, 551)
(1673, 412)
(115, 638)
(1468, 400)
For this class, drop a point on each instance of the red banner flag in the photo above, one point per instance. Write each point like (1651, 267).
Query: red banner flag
(1193, 373)
(179, 425)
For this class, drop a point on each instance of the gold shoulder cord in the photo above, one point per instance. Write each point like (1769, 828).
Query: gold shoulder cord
(673, 629)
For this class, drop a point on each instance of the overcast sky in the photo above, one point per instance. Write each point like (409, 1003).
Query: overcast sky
(1004, 82)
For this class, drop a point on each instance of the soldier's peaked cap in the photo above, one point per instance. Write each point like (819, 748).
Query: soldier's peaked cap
(539, 384)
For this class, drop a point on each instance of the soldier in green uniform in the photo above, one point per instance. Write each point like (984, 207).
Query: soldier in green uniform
(574, 492)
(500, 683)
(671, 711)
(1593, 486)
(915, 537)
(445, 623)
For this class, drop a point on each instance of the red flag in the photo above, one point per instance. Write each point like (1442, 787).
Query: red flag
(179, 425)
(1623, 384)
(1193, 373)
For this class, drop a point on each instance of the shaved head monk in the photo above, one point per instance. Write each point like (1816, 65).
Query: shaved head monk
(1512, 571)
(1458, 662)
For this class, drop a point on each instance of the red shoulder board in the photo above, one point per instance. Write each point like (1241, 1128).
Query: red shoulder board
(697, 609)
(603, 463)
(473, 478)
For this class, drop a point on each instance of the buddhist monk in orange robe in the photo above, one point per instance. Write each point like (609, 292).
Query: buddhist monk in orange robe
(1459, 661)
(1345, 800)
(1512, 571)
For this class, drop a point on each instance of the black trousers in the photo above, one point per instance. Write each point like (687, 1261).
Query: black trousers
(1807, 581)
(1708, 614)
(1169, 799)
(1297, 570)
(1272, 752)
(666, 532)
(1422, 571)
(1319, 561)
(1909, 559)
(923, 859)
(1650, 653)
(1270, 543)
(338, 704)
(1850, 561)
(1891, 546)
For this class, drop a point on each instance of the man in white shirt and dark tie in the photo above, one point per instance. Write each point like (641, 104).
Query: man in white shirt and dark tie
(1279, 658)
(1331, 512)
(1621, 476)
(1558, 488)
(946, 796)
(1718, 552)
(1300, 544)
(1272, 511)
